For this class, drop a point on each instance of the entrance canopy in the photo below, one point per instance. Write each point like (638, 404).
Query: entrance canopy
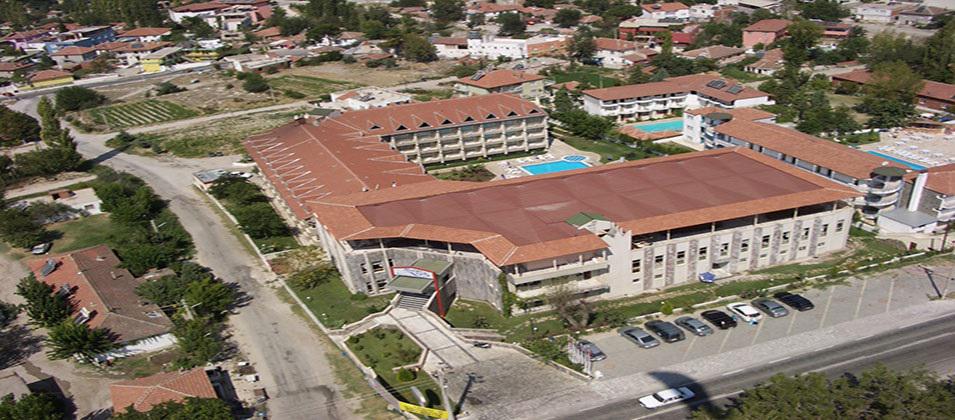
(407, 284)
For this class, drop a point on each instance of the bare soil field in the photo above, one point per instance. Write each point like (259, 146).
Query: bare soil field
(358, 73)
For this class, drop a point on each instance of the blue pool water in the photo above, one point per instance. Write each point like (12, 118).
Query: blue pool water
(914, 166)
(551, 167)
(656, 127)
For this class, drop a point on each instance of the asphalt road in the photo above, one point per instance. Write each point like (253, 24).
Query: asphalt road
(926, 345)
(117, 81)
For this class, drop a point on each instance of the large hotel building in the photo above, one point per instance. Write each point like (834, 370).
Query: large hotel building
(606, 231)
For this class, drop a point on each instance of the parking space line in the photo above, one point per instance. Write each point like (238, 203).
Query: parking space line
(888, 300)
(861, 298)
(732, 372)
(792, 322)
(725, 339)
(832, 291)
(688, 348)
(759, 327)
(779, 360)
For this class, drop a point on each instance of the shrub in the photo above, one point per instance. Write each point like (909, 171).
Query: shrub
(666, 308)
(293, 94)
(166, 88)
(75, 98)
(405, 375)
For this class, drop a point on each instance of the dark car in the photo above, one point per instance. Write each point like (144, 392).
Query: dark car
(694, 325)
(719, 319)
(591, 349)
(795, 301)
(665, 330)
(771, 307)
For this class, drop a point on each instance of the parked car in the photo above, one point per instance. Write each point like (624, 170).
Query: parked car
(745, 311)
(41, 248)
(639, 337)
(771, 307)
(666, 397)
(482, 345)
(243, 175)
(595, 353)
(719, 319)
(694, 325)
(795, 301)
(665, 330)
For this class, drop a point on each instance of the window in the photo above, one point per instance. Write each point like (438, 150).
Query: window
(364, 268)
(377, 267)
(805, 233)
(824, 230)
(724, 249)
(658, 261)
(744, 246)
(764, 243)
(802, 247)
(821, 245)
(785, 238)
(368, 287)
(839, 226)
(635, 266)
(680, 257)
(702, 253)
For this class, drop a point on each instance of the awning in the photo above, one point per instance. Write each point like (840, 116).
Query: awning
(707, 277)
(411, 284)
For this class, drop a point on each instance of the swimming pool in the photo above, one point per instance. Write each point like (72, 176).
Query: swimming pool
(657, 127)
(914, 166)
(551, 167)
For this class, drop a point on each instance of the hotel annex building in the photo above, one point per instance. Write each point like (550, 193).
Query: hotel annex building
(607, 231)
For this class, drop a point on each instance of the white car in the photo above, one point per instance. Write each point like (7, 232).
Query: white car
(243, 175)
(745, 311)
(666, 397)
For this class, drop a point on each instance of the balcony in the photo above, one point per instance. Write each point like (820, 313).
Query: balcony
(579, 286)
(597, 263)
(880, 200)
(880, 187)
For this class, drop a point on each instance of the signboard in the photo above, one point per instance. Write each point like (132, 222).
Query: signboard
(424, 411)
(412, 272)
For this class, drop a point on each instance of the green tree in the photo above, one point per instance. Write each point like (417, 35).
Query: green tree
(17, 128)
(18, 228)
(169, 290)
(511, 24)
(198, 27)
(209, 297)
(826, 10)
(890, 95)
(566, 18)
(8, 312)
(582, 47)
(199, 340)
(68, 339)
(260, 221)
(49, 122)
(446, 11)
(889, 46)
(415, 47)
(75, 98)
(190, 408)
(44, 307)
(803, 35)
(255, 83)
(939, 62)
(312, 277)
(37, 406)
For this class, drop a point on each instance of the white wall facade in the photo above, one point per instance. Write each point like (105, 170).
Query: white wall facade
(493, 48)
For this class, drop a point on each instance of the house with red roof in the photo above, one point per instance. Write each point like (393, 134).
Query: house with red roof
(521, 83)
(201, 10)
(933, 95)
(73, 55)
(50, 77)
(764, 32)
(674, 11)
(145, 34)
(142, 394)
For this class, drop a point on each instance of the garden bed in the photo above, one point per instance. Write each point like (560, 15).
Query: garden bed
(384, 349)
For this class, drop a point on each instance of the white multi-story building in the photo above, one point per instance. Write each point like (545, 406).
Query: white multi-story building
(661, 99)
(449, 47)
(513, 48)
(668, 11)
(365, 98)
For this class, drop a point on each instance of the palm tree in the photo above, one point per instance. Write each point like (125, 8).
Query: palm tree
(70, 338)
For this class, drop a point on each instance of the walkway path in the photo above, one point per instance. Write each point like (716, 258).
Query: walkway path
(441, 343)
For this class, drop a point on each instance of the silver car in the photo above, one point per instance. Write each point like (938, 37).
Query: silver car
(694, 326)
(639, 337)
(771, 307)
(591, 349)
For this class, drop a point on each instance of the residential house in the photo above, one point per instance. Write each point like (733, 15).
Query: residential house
(145, 34)
(770, 62)
(764, 32)
(704, 12)
(645, 30)
(749, 6)
(142, 394)
(538, 15)
(9, 69)
(664, 98)
(933, 95)
(927, 203)
(833, 33)
(365, 98)
(73, 55)
(526, 85)
(492, 10)
(514, 48)
(919, 15)
(22, 40)
(714, 52)
(81, 37)
(84, 201)
(103, 296)
(160, 60)
(672, 11)
(876, 12)
(48, 78)
(640, 57)
(610, 52)
(132, 53)
(256, 62)
(201, 10)
(448, 47)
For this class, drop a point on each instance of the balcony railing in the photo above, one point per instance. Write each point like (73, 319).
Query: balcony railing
(884, 187)
(881, 200)
(595, 263)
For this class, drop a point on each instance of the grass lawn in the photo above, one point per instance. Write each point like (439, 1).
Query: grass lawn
(82, 233)
(608, 151)
(425, 95)
(335, 305)
(385, 348)
(150, 111)
(741, 76)
(145, 364)
(311, 87)
(474, 173)
(595, 77)
(850, 101)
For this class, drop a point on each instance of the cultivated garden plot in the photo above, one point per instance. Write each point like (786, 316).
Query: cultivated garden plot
(139, 113)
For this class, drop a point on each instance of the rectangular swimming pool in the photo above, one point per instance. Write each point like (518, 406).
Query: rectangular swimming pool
(914, 166)
(551, 167)
(657, 127)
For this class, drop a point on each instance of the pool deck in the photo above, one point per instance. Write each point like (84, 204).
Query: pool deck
(511, 168)
(916, 147)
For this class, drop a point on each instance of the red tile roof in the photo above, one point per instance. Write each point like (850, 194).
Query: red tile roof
(200, 7)
(715, 52)
(500, 78)
(73, 50)
(772, 59)
(269, 32)
(494, 8)
(449, 41)
(98, 284)
(147, 32)
(14, 65)
(941, 179)
(611, 44)
(49, 75)
(748, 114)
(684, 38)
(692, 83)
(664, 7)
(825, 153)
(143, 394)
(344, 154)
(769, 25)
(931, 89)
(523, 219)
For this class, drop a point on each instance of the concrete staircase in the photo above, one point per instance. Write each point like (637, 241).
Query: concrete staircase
(412, 303)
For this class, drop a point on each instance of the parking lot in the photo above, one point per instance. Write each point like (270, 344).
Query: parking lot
(834, 305)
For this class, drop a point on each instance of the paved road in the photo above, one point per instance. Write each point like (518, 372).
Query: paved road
(928, 344)
(110, 82)
(289, 358)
